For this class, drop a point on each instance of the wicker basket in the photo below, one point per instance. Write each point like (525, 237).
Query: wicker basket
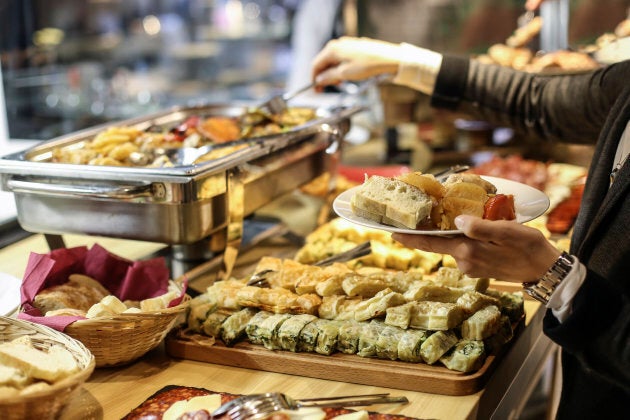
(117, 340)
(45, 404)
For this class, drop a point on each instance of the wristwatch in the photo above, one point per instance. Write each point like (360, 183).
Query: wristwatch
(543, 288)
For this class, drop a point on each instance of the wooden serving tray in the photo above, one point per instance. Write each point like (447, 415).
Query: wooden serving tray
(341, 367)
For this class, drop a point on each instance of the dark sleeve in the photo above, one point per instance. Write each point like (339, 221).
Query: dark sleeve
(597, 331)
(569, 108)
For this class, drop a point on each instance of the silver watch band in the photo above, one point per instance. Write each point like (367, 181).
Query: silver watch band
(543, 288)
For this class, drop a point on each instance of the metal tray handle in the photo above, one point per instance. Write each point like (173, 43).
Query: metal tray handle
(76, 190)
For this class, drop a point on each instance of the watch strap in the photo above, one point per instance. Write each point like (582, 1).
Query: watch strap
(543, 288)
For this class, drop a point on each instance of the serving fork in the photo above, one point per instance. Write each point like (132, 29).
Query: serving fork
(259, 406)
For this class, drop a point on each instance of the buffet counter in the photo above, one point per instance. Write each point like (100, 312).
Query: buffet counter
(113, 392)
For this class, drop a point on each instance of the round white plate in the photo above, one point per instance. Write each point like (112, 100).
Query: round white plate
(528, 202)
(9, 294)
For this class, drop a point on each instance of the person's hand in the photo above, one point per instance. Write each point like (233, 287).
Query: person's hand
(533, 5)
(354, 59)
(503, 250)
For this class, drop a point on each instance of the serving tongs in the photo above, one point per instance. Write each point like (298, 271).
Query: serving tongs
(277, 104)
(259, 279)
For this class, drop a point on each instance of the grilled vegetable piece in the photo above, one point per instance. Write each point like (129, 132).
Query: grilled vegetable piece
(327, 336)
(377, 305)
(348, 338)
(213, 325)
(466, 356)
(369, 338)
(252, 329)
(505, 333)
(437, 345)
(473, 301)
(410, 344)
(234, 326)
(511, 304)
(435, 316)
(387, 342)
(399, 316)
(482, 324)
(289, 331)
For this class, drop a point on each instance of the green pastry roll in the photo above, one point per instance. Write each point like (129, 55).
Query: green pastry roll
(410, 343)
(234, 326)
(348, 338)
(200, 307)
(213, 325)
(289, 332)
(252, 329)
(437, 345)
(387, 342)
(369, 338)
(466, 356)
(327, 336)
(268, 330)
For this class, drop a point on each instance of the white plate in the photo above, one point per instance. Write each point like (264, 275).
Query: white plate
(9, 294)
(528, 202)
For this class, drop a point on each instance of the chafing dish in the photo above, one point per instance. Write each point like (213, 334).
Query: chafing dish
(172, 205)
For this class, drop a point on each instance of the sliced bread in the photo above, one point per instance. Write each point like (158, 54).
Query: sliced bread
(391, 201)
(50, 366)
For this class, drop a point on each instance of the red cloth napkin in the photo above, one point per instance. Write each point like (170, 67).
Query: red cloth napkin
(125, 279)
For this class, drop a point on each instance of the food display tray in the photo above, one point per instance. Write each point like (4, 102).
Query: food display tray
(173, 205)
(342, 367)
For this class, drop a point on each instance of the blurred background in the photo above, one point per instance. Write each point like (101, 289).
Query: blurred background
(70, 64)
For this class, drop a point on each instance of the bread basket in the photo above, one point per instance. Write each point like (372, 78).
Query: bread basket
(44, 404)
(120, 339)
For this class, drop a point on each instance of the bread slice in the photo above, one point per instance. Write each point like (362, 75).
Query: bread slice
(50, 366)
(391, 201)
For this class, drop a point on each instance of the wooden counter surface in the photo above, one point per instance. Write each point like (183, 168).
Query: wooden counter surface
(111, 393)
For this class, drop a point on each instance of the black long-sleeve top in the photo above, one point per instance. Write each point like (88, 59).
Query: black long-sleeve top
(584, 108)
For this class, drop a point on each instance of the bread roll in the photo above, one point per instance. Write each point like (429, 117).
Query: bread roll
(66, 312)
(80, 292)
(393, 201)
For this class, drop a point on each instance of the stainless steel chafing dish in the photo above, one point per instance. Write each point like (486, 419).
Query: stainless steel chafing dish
(172, 205)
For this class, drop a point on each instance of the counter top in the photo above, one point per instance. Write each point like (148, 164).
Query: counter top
(111, 393)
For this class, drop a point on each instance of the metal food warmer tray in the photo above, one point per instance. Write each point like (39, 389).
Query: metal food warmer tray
(171, 205)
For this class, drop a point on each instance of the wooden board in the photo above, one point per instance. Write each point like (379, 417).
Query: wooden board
(341, 367)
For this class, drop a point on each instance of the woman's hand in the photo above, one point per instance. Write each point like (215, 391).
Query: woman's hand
(533, 5)
(354, 59)
(504, 250)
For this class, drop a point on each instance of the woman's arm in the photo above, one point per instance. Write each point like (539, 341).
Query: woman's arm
(569, 108)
